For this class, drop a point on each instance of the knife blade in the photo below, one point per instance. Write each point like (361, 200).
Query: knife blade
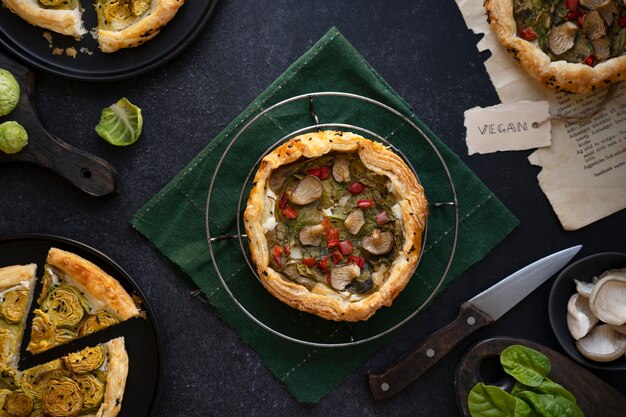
(479, 311)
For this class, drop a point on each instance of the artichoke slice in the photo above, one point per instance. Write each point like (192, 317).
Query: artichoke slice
(13, 305)
(65, 306)
(42, 335)
(7, 346)
(92, 388)
(30, 380)
(18, 404)
(62, 397)
(86, 360)
(120, 123)
(97, 322)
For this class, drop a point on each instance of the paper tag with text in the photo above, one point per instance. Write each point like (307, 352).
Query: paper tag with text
(508, 127)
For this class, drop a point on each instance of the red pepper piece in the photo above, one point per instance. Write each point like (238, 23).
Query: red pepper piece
(290, 212)
(528, 34)
(571, 4)
(574, 15)
(282, 203)
(287, 250)
(278, 261)
(621, 21)
(581, 19)
(382, 218)
(310, 262)
(323, 264)
(590, 60)
(328, 279)
(337, 256)
(332, 234)
(359, 261)
(365, 203)
(323, 173)
(356, 188)
(326, 223)
(277, 251)
(345, 246)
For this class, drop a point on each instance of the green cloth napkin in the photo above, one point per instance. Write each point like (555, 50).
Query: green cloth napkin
(174, 219)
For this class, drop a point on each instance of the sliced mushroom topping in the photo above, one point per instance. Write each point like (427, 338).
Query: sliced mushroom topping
(594, 26)
(312, 235)
(308, 190)
(354, 221)
(601, 48)
(360, 287)
(377, 242)
(620, 329)
(341, 276)
(608, 12)
(580, 319)
(594, 4)
(602, 344)
(341, 170)
(608, 299)
(584, 288)
(561, 38)
(279, 176)
(291, 271)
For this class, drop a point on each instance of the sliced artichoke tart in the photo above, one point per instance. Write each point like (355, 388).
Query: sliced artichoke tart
(334, 223)
(90, 382)
(17, 284)
(571, 45)
(77, 298)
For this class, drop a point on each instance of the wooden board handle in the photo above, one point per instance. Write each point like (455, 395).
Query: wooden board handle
(438, 345)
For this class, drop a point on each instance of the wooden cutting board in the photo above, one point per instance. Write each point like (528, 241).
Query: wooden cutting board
(481, 363)
(91, 174)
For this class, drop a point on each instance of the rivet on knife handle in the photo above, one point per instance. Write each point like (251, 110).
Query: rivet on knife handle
(410, 367)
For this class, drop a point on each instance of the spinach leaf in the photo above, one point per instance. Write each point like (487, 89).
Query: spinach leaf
(489, 401)
(546, 387)
(548, 405)
(522, 409)
(525, 365)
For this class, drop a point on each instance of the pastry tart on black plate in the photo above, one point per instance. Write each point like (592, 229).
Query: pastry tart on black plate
(571, 45)
(334, 223)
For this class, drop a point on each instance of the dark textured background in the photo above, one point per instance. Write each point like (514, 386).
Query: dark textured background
(424, 50)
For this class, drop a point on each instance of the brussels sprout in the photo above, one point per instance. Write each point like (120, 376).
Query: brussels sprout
(61, 397)
(13, 306)
(86, 360)
(13, 137)
(65, 306)
(120, 123)
(92, 388)
(18, 404)
(96, 322)
(9, 92)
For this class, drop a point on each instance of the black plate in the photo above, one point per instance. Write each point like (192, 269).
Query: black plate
(142, 336)
(564, 287)
(27, 42)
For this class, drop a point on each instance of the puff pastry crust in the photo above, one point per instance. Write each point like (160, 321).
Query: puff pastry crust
(322, 299)
(117, 371)
(64, 21)
(558, 75)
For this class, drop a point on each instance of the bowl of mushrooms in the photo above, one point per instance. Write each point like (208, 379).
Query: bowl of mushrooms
(588, 310)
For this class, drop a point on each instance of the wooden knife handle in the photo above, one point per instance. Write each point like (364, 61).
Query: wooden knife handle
(411, 366)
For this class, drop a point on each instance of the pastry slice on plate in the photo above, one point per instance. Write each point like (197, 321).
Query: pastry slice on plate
(17, 284)
(77, 298)
(90, 382)
(61, 16)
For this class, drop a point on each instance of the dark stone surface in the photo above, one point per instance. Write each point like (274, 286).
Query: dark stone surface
(424, 50)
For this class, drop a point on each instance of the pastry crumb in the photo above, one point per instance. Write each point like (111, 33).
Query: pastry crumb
(84, 50)
(48, 37)
(57, 51)
(71, 51)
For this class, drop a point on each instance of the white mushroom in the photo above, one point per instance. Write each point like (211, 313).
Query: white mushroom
(377, 242)
(608, 12)
(580, 319)
(312, 235)
(601, 48)
(279, 176)
(620, 329)
(354, 221)
(561, 38)
(308, 190)
(341, 276)
(341, 170)
(594, 26)
(608, 298)
(594, 4)
(584, 288)
(602, 344)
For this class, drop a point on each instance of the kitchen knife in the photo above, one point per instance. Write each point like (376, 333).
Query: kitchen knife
(483, 309)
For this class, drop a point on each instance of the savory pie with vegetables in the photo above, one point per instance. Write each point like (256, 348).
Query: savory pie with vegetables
(90, 382)
(121, 23)
(571, 45)
(334, 223)
(77, 298)
(17, 284)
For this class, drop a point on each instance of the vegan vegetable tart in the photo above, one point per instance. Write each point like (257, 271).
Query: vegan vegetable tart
(571, 45)
(334, 223)
(121, 23)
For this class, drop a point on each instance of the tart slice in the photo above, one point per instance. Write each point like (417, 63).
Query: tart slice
(90, 382)
(129, 23)
(61, 16)
(77, 298)
(17, 284)
(334, 223)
